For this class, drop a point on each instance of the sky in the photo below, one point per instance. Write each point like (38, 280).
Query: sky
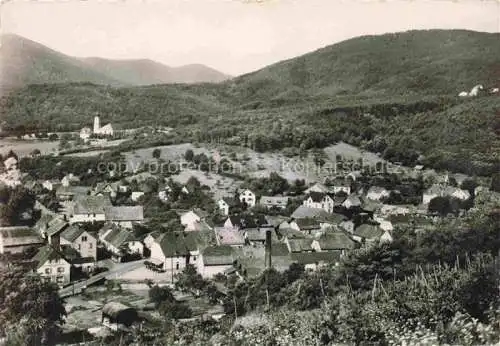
(232, 36)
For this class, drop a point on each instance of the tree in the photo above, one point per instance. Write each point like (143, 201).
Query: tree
(469, 185)
(440, 205)
(53, 137)
(495, 182)
(31, 311)
(190, 279)
(157, 153)
(189, 155)
(158, 295)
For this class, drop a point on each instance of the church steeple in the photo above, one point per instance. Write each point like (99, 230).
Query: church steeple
(97, 124)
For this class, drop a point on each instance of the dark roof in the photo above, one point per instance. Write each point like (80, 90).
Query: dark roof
(304, 212)
(69, 252)
(336, 241)
(118, 237)
(46, 253)
(72, 232)
(248, 221)
(368, 231)
(316, 196)
(300, 245)
(124, 213)
(335, 218)
(218, 255)
(290, 233)
(179, 243)
(307, 223)
(316, 257)
(91, 204)
(83, 260)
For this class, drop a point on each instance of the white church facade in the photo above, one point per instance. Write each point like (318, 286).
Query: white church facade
(106, 130)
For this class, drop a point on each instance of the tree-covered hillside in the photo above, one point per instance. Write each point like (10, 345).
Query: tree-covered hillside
(395, 94)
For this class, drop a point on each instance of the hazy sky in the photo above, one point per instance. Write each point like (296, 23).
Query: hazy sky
(233, 36)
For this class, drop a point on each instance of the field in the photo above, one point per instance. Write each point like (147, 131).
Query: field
(25, 147)
(350, 152)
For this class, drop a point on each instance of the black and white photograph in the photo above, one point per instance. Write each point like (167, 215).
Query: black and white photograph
(249, 172)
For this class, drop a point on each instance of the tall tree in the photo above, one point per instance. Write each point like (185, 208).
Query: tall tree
(31, 311)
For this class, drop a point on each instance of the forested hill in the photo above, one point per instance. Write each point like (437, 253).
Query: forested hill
(405, 81)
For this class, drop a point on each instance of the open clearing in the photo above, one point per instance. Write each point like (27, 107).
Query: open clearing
(25, 147)
(350, 152)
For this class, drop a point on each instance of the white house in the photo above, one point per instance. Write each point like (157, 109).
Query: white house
(85, 133)
(17, 239)
(376, 193)
(80, 240)
(224, 204)
(442, 191)
(192, 218)
(70, 179)
(120, 241)
(248, 197)
(90, 209)
(175, 250)
(341, 185)
(51, 185)
(52, 266)
(319, 200)
(215, 260)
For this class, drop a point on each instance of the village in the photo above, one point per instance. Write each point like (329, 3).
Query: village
(87, 238)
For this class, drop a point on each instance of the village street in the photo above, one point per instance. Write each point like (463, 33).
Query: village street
(115, 271)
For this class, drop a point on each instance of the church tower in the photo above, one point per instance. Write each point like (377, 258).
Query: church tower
(97, 124)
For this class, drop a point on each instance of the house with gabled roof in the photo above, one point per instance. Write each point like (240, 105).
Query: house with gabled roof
(192, 218)
(82, 241)
(124, 216)
(303, 212)
(248, 197)
(352, 201)
(369, 233)
(437, 190)
(120, 241)
(299, 245)
(16, 239)
(90, 209)
(318, 187)
(319, 200)
(52, 266)
(175, 250)
(340, 185)
(306, 225)
(334, 241)
(215, 260)
(225, 204)
(104, 189)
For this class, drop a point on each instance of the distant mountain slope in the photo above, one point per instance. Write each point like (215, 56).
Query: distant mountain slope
(26, 62)
(413, 62)
(147, 72)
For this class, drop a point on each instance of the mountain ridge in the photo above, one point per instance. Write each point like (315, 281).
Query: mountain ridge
(24, 62)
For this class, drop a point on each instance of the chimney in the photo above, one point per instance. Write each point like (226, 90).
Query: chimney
(268, 249)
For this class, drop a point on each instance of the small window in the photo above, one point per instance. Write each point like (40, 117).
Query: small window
(90, 245)
(48, 270)
(177, 266)
(60, 270)
(79, 247)
(194, 259)
(84, 238)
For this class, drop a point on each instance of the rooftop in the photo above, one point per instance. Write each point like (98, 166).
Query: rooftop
(335, 241)
(124, 213)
